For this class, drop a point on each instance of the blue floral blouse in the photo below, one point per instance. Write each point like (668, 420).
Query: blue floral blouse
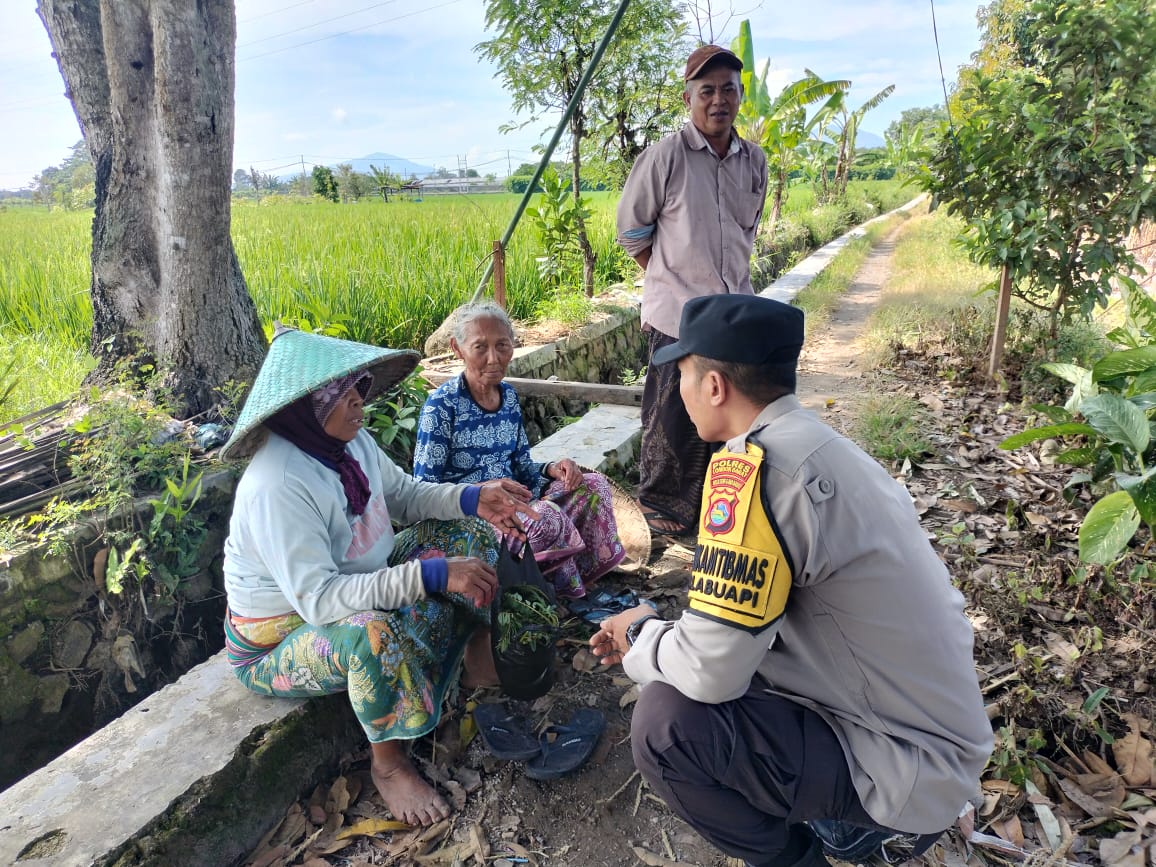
(458, 441)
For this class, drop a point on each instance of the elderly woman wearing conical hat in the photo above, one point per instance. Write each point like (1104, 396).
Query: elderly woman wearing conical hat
(323, 596)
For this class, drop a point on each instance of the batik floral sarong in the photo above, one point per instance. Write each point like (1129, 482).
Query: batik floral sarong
(575, 541)
(396, 665)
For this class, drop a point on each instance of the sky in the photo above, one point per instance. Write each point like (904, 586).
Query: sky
(324, 81)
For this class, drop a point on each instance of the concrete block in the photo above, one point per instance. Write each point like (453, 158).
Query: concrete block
(603, 431)
(193, 775)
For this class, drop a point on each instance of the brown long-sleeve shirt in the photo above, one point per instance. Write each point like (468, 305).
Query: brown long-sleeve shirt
(697, 214)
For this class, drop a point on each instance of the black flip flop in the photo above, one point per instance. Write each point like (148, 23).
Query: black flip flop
(680, 530)
(601, 604)
(572, 746)
(506, 735)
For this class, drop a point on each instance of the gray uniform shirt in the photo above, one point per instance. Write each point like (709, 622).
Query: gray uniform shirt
(873, 637)
(698, 215)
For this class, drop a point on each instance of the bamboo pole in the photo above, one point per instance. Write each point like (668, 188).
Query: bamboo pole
(579, 89)
(500, 274)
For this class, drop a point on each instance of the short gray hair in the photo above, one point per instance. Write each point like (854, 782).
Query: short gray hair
(468, 314)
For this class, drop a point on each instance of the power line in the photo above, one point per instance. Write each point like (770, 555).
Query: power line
(317, 24)
(347, 32)
(273, 12)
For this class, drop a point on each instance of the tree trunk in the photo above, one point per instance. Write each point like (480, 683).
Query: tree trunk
(152, 85)
(777, 200)
(576, 132)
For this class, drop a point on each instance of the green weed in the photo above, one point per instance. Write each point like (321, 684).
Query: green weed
(891, 427)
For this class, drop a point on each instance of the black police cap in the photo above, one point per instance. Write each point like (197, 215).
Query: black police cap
(744, 329)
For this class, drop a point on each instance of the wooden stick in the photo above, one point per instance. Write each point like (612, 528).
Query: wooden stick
(591, 392)
(1001, 313)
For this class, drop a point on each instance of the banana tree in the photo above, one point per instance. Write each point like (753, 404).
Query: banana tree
(778, 125)
(846, 124)
(384, 180)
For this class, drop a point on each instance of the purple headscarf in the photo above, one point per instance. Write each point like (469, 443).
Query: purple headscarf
(302, 423)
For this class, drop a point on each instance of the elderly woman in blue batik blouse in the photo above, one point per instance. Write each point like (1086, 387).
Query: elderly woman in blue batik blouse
(471, 431)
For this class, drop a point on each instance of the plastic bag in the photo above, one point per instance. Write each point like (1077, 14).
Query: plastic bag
(524, 656)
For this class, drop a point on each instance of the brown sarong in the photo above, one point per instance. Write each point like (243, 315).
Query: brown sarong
(673, 460)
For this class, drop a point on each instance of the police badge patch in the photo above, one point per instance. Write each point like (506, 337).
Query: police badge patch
(741, 575)
(728, 476)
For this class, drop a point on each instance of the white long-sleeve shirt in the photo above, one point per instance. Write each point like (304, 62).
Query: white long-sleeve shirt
(294, 545)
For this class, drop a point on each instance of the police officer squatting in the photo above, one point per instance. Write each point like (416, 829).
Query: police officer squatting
(818, 696)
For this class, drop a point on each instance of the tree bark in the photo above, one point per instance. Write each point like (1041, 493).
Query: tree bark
(152, 85)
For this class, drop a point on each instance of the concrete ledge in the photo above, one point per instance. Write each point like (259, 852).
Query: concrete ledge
(787, 287)
(194, 775)
(605, 439)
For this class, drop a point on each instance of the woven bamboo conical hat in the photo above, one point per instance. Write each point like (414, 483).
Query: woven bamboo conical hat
(299, 362)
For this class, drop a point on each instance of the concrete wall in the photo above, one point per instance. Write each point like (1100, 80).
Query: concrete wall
(599, 352)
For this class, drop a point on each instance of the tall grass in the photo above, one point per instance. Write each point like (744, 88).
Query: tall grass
(933, 288)
(388, 272)
(45, 275)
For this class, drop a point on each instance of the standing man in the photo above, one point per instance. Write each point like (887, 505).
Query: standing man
(688, 216)
(818, 696)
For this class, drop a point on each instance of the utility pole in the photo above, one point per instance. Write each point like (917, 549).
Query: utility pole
(304, 178)
(509, 165)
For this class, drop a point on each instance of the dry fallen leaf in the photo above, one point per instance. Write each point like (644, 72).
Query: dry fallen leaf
(1085, 801)
(1123, 849)
(1133, 755)
(481, 846)
(338, 799)
(584, 660)
(1010, 829)
(653, 860)
(629, 697)
(266, 858)
(467, 728)
(369, 827)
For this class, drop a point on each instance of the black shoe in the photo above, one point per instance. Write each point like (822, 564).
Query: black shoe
(850, 843)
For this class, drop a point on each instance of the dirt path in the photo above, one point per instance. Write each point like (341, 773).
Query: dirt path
(829, 371)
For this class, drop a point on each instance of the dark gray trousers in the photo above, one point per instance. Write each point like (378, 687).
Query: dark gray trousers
(746, 773)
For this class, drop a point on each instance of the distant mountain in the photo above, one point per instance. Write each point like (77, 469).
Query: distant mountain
(397, 165)
(869, 140)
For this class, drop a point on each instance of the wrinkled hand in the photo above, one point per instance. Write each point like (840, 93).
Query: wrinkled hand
(609, 642)
(473, 578)
(567, 472)
(501, 500)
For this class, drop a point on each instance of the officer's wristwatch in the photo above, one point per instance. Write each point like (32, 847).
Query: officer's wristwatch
(633, 630)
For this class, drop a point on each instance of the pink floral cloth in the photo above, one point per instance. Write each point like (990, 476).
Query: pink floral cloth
(575, 541)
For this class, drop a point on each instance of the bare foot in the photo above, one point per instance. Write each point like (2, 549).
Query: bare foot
(479, 662)
(407, 795)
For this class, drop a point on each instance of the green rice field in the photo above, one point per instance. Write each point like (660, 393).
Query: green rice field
(382, 273)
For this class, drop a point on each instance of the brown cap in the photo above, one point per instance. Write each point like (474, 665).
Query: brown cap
(707, 54)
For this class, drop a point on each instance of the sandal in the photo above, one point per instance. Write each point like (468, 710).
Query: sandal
(653, 517)
(595, 607)
(506, 735)
(572, 746)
